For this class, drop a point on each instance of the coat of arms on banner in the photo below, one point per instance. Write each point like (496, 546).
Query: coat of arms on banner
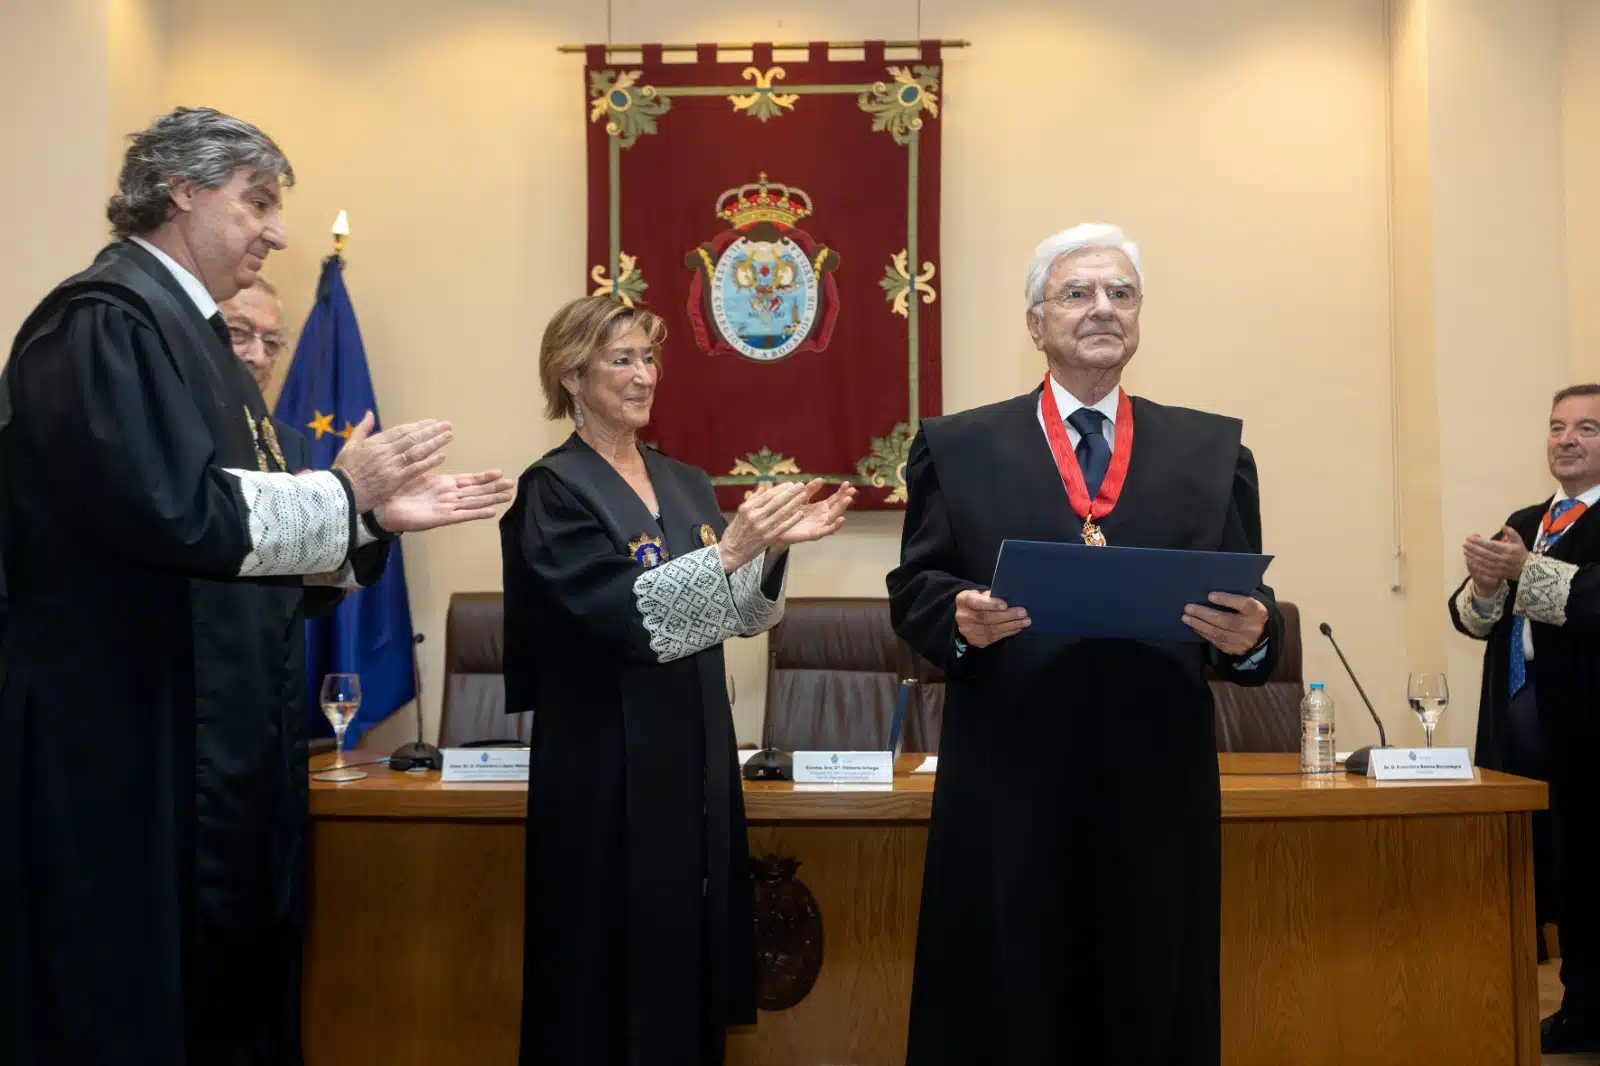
(783, 219)
(763, 289)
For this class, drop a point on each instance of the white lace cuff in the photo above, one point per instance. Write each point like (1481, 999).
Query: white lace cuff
(756, 613)
(687, 604)
(1474, 623)
(299, 524)
(1542, 593)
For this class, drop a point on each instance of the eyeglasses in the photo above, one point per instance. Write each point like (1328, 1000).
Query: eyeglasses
(271, 343)
(1082, 297)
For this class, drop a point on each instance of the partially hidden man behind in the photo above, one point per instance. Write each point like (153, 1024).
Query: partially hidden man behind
(1533, 592)
(254, 317)
(1071, 899)
(157, 546)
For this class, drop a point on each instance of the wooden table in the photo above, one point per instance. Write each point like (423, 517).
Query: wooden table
(1379, 923)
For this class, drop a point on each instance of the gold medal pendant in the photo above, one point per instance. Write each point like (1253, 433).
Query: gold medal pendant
(1092, 535)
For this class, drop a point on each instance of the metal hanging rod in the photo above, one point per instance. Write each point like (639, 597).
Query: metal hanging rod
(745, 46)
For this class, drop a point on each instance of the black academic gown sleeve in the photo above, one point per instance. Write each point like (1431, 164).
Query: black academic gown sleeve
(1242, 533)
(367, 563)
(567, 550)
(1581, 603)
(115, 427)
(569, 553)
(1493, 745)
(1577, 589)
(923, 589)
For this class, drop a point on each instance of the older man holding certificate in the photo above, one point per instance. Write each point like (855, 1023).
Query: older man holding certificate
(1074, 917)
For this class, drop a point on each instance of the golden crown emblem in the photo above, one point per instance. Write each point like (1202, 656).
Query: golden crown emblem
(763, 201)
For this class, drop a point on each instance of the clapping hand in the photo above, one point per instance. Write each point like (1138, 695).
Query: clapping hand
(818, 519)
(781, 514)
(767, 512)
(380, 465)
(1491, 562)
(435, 500)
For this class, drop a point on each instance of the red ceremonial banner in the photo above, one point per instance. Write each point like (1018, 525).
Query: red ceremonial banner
(784, 219)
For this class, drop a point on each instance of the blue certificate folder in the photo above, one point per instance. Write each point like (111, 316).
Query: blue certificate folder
(1075, 590)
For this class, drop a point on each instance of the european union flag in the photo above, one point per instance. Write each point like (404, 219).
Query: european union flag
(327, 392)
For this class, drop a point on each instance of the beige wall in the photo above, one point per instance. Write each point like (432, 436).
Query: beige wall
(1414, 395)
(75, 77)
(1580, 70)
(1301, 274)
(53, 111)
(1477, 104)
(137, 32)
(1494, 132)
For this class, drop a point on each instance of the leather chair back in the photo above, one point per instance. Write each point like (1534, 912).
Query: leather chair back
(1247, 719)
(834, 668)
(832, 676)
(1265, 718)
(473, 708)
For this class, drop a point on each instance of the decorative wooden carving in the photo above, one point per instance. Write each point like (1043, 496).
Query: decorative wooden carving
(788, 933)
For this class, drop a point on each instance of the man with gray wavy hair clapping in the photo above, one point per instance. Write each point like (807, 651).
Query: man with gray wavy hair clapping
(156, 545)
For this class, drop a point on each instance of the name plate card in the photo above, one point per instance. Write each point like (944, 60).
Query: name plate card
(844, 768)
(1420, 764)
(484, 764)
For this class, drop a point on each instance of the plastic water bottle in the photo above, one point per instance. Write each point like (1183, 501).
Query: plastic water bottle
(1316, 730)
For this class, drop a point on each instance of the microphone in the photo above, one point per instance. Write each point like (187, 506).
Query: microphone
(1357, 762)
(420, 755)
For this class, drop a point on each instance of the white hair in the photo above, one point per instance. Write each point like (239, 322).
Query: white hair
(1084, 235)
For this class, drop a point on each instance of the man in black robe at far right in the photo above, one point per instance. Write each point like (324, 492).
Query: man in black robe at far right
(1071, 910)
(157, 543)
(1533, 593)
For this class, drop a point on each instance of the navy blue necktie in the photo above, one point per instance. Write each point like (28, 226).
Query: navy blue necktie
(1093, 450)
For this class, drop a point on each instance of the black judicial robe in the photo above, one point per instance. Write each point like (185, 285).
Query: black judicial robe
(639, 933)
(1494, 748)
(296, 449)
(1565, 672)
(1071, 898)
(152, 701)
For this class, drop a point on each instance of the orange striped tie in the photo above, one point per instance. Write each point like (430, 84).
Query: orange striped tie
(1559, 519)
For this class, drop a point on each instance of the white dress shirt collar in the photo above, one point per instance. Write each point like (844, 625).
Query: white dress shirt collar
(1588, 497)
(191, 284)
(1067, 403)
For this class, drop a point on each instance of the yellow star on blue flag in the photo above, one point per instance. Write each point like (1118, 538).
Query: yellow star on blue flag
(370, 632)
(321, 423)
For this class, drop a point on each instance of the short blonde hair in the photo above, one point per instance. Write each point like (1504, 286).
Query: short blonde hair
(577, 333)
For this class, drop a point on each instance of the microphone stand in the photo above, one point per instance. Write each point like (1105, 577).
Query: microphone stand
(419, 755)
(1360, 758)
